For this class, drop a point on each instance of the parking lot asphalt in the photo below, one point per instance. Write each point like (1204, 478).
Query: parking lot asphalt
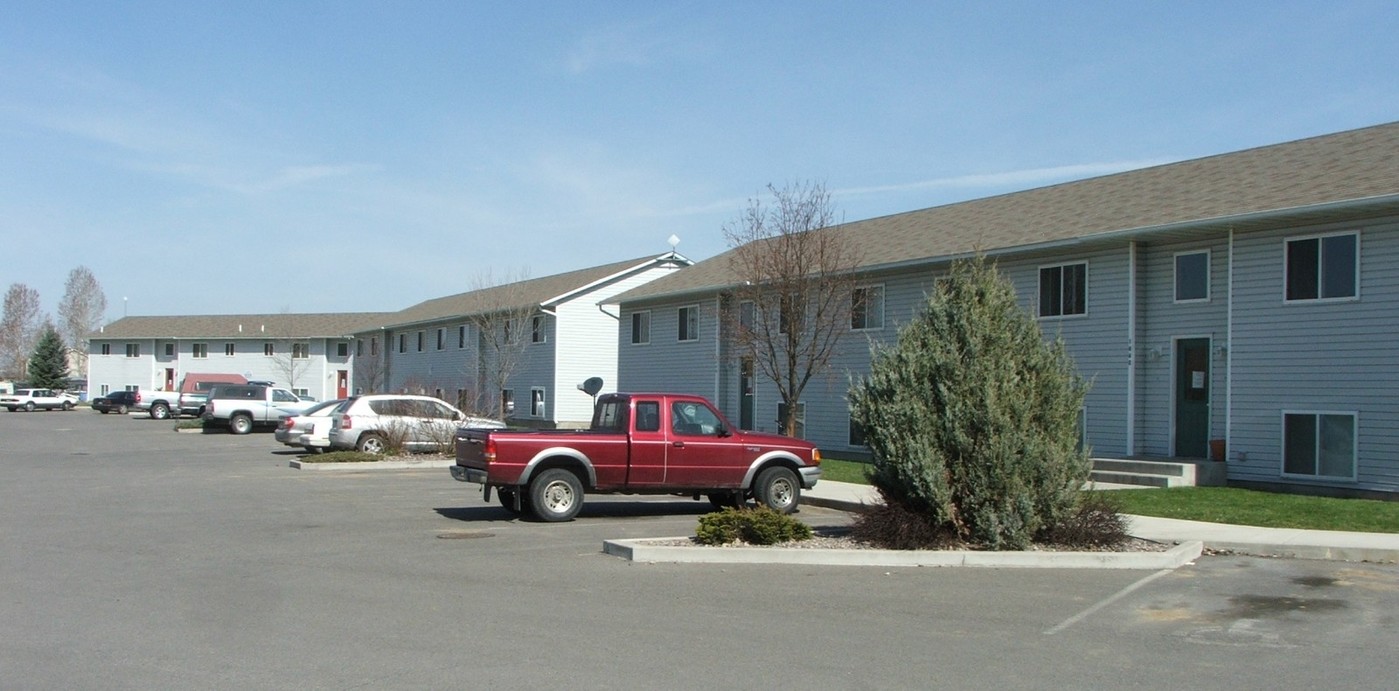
(134, 557)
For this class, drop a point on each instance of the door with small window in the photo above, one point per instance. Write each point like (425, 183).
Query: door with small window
(1192, 397)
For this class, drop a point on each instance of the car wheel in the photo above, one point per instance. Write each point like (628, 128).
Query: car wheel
(10, 408)
(240, 424)
(29, 407)
(507, 500)
(556, 495)
(121, 410)
(160, 411)
(67, 405)
(724, 500)
(371, 443)
(777, 488)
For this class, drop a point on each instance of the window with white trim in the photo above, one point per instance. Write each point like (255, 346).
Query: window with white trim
(300, 351)
(536, 330)
(441, 339)
(688, 323)
(1319, 444)
(342, 349)
(507, 402)
(1063, 290)
(536, 402)
(867, 308)
(133, 350)
(1193, 276)
(1325, 267)
(230, 349)
(461, 336)
(106, 348)
(641, 327)
(421, 336)
(268, 349)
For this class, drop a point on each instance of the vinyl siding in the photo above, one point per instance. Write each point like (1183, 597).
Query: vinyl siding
(315, 373)
(666, 363)
(1332, 356)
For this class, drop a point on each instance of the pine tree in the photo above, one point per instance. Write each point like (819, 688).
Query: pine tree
(48, 366)
(972, 417)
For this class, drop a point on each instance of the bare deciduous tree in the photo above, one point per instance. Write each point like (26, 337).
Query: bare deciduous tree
(19, 329)
(793, 303)
(503, 325)
(291, 352)
(81, 312)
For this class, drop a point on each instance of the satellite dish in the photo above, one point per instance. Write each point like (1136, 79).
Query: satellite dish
(592, 386)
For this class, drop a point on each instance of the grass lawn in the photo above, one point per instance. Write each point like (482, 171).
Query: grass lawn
(1220, 505)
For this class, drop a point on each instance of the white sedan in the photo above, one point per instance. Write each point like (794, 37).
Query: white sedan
(30, 399)
(309, 430)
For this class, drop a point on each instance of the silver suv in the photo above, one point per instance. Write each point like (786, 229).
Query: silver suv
(377, 423)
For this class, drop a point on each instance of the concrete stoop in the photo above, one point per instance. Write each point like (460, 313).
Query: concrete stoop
(1158, 472)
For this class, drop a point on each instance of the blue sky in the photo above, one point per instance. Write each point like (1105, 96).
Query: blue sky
(242, 157)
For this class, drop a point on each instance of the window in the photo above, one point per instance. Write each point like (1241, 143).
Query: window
(403, 343)
(441, 339)
(1063, 290)
(106, 348)
(691, 419)
(791, 311)
(1322, 268)
(342, 349)
(374, 345)
(800, 415)
(1193, 277)
(420, 341)
(611, 416)
(536, 402)
(507, 401)
(1319, 444)
(301, 393)
(199, 350)
(688, 324)
(648, 416)
(536, 330)
(300, 351)
(640, 328)
(746, 312)
(461, 336)
(857, 433)
(359, 347)
(268, 349)
(133, 350)
(867, 308)
(230, 349)
(104, 390)
(169, 350)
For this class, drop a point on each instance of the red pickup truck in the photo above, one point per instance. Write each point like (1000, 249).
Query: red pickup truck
(639, 443)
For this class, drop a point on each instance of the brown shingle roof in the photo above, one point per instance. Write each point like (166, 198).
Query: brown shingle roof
(1348, 166)
(527, 293)
(243, 326)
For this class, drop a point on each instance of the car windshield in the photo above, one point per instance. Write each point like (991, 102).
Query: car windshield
(323, 408)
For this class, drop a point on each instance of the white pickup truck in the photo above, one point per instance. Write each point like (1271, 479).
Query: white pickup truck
(29, 400)
(243, 406)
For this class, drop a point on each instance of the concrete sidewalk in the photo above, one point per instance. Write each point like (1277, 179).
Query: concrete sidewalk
(1271, 542)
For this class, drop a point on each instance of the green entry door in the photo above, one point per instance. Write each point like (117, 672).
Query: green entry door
(1192, 397)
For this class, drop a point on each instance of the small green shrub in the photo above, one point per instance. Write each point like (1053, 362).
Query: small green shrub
(343, 457)
(760, 526)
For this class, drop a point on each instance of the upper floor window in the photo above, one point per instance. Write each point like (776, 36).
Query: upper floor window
(1064, 290)
(133, 350)
(374, 345)
(359, 347)
(441, 339)
(1193, 277)
(1322, 268)
(420, 341)
(342, 349)
(301, 350)
(169, 350)
(688, 324)
(640, 328)
(269, 349)
(403, 343)
(229, 348)
(536, 330)
(199, 350)
(867, 307)
(461, 336)
(106, 348)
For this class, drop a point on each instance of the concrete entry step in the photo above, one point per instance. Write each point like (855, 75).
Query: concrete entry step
(1148, 472)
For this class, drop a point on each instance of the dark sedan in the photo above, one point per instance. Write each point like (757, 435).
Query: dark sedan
(115, 402)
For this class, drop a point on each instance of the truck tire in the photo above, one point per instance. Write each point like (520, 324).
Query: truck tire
(240, 423)
(778, 489)
(507, 501)
(121, 410)
(371, 443)
(555, 495)
(160, 410)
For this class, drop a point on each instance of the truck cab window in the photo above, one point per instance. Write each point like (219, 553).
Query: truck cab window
(648, 416)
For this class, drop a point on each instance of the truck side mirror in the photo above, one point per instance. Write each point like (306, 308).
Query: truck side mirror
(723, 432)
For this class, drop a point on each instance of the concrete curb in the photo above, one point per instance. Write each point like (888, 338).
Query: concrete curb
(640, 550)
(375, 465)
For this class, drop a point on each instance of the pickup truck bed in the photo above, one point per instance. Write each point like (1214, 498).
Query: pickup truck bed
(638, 444)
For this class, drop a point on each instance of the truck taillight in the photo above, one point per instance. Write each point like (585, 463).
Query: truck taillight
(138, 396)
(489, 455)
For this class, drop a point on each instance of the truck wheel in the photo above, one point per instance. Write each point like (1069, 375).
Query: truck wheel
(556, 495)
(371, 443)
(724, 500)
(507, 500)
(160, 410)
(777, 488)
(240, 424)
(121, 410)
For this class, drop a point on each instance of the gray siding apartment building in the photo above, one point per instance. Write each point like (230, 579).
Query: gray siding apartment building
(1246, 300)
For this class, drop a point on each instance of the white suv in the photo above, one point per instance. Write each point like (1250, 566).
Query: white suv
(382, 422)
